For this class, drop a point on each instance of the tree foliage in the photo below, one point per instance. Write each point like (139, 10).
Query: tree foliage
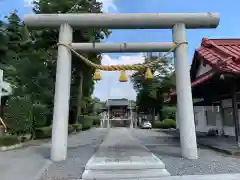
(150, 93)
(28, 57)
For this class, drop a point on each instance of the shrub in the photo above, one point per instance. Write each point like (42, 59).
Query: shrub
(39, 115)
(96, 121)
(46, 132)
(9, 140)
(18, 115)
(86, 127)
(70, 129)
(88, 121)
(170, 122)
(23, 117)
(166, 124)
(43, 132)
(96, 125)
(77, 127)
(157, 124)
(168, 112)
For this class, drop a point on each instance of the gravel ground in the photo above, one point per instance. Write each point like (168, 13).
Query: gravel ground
(81, 148)
(168, 149)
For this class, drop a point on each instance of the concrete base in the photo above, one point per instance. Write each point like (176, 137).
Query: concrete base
(191, 177)
(122, 156)
(124, 174)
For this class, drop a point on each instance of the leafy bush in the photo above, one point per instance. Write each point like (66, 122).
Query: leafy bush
(170, 122)
(96, 125)
(18, 115)
(77, 127)
(88, 121)
(96, 121)
(9, 140)
(39, 115)
(70, 129)
(86, 127)
(46, 132)
(23, 117)
(157, 124)
(168, 112)
(166, 124)
(43, 132)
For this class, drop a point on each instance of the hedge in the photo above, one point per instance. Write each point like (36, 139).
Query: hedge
(23, 117)
(46, 132)
(77, 127)
(89, 121)
(165, 124)
(9, 140)
(170, 122)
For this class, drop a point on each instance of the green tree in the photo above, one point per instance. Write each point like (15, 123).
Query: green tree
(28, 59)
(82, 81)
(24, 68)
(150, 93)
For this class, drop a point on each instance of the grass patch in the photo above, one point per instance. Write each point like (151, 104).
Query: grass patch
(9, 140)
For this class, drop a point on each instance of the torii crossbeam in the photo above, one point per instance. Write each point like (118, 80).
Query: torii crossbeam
(178, 22)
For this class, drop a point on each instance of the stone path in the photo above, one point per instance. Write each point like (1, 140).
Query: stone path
(167, 148)
(123, 156)
(192, 177)
(32, 162)
(81, 148)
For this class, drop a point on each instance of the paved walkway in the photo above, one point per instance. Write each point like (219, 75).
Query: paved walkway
(123, 156)
(167, 148)
(32, 163)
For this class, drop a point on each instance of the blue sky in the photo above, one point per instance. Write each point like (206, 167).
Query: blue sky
(109, 87)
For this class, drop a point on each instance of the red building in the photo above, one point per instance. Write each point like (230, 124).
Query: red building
(215, 76)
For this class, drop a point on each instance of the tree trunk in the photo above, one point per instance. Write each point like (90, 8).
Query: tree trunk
(79, 98)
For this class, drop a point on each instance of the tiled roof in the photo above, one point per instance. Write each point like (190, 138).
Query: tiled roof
(221, 54)
(199, 80)
(117, 102)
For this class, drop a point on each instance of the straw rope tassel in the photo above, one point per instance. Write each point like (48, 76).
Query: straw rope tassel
(123, 77)
(122, 68)
(97, 75)
(148, 74)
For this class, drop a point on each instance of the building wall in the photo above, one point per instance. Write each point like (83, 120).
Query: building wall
(215, 119)
(200, 115)
(223, 120)
(203, 69)
(224, 123)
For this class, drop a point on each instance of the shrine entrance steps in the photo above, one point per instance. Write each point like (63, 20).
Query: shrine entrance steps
(121, 156)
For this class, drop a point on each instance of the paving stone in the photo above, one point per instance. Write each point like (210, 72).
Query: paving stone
(121, 155)
(81, 147)
(192, 177)
(169, 151)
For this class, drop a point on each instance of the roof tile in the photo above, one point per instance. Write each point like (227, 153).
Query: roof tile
(223, 54)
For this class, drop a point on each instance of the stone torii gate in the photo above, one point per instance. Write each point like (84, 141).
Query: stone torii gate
(178, 22)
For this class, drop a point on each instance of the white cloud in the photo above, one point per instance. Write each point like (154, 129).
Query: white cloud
(28, 3)
(109, 86)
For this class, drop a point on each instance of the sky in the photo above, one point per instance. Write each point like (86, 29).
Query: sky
(109, 87)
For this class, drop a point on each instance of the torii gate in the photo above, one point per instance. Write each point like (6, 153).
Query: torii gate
(178, 22)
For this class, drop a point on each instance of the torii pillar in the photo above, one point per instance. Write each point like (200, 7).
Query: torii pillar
(178, 22)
